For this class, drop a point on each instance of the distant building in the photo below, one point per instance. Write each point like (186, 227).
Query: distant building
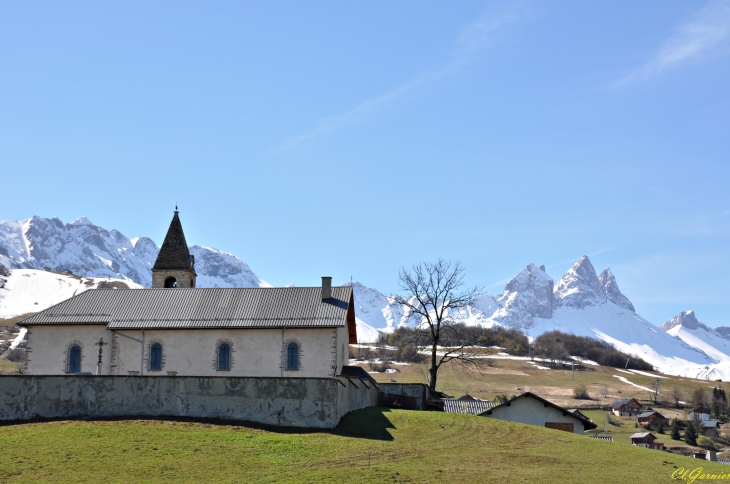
(710, 428)
(646, 439)
(578, 413)
(652, 418)
(531, 409)
(628, 407)
(700, 413)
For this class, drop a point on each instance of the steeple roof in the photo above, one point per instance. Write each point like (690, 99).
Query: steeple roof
(174, 253)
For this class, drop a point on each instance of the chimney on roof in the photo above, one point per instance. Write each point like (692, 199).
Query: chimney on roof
(326, 288)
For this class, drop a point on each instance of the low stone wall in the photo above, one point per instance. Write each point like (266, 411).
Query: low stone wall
(409, 396)
(287, 402)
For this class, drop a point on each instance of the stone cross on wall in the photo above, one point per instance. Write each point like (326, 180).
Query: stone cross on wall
(100, 344)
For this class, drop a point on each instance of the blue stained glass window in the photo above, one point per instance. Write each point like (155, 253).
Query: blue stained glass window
(156, 356)
(224, 356)
(74, 359)
(292, 356)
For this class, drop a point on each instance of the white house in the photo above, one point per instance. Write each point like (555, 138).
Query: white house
(530, 409)
(177, 328)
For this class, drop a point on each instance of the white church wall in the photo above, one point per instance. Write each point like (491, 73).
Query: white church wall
(47, 348)
(254, 352)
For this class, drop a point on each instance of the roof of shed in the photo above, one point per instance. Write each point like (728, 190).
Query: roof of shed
(641, 435)
(623, 402)
(649, 413)
(188, 308)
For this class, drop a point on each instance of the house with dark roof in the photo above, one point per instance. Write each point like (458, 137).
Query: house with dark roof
(176, 328)
(531, 409)
(646, 439)
(628, 407)
(652, 418)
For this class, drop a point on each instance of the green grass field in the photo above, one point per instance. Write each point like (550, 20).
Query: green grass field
(371, 445)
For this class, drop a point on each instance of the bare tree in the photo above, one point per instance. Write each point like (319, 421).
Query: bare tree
(677, 396)
(431, 292)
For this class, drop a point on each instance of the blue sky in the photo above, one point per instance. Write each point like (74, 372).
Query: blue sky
(352, 139)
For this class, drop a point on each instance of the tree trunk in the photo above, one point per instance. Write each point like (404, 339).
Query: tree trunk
(433, 371)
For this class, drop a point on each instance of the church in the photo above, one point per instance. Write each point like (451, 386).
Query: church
(178, 329)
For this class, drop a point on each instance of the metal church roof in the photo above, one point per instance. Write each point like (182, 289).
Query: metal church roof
(201, 308)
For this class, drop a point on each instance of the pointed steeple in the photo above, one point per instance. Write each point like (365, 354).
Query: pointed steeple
(174, 266)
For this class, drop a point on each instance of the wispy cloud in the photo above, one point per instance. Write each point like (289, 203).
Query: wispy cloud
(471, 41)
(704, 38)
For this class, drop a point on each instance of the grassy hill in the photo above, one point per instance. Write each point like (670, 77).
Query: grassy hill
(371, 445)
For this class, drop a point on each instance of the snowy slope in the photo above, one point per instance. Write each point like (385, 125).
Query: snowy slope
(29, 291)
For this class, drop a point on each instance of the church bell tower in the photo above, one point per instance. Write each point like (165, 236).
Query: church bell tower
(174, 267)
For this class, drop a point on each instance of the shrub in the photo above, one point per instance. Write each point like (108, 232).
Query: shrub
(581, 392)
(705, 442)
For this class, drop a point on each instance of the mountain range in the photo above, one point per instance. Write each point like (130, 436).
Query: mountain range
(49, 261)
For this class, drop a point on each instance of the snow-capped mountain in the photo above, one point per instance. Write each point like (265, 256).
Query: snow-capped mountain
(85, 249)
(686, 327)
(581, 303)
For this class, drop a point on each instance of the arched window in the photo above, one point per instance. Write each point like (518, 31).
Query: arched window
(224, 357)
(292, 356)
(170, 282)
(156, 356)
(74, 359)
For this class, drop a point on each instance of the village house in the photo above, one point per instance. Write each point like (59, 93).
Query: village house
(176, 328)
(531, 409)
(652, 418)
(646, 439)
(628, 407)
(699, 413)
(709, 428)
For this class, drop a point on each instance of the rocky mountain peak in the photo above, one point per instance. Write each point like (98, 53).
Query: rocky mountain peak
(580, 286)
(686, 318)
(529, 294)
(613, 293)
(86, 249)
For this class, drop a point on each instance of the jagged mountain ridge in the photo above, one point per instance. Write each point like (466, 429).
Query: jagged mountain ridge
(85, 249)
(581, 302)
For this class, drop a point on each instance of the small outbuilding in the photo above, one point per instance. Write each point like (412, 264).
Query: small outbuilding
(652, 418)
(646, 439)
(710, 428)
(531, 409)
(699, 413)
(628, 407)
